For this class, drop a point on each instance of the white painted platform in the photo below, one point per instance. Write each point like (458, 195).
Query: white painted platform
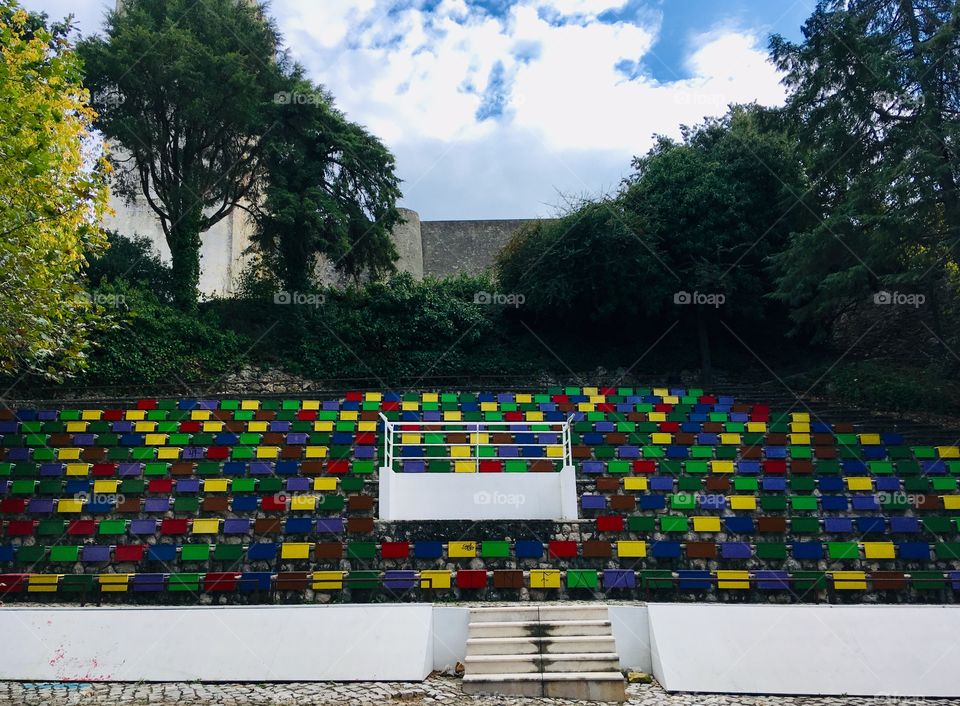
(478, 496)
(857, 650)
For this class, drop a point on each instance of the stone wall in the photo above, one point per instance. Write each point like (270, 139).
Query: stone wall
(455, 247)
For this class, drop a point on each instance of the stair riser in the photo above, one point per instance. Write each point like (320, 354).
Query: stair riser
(522, 666)
(533, 646)
(513, 614)
(481, 630)
(578, 690)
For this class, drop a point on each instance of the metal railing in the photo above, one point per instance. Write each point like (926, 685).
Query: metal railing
(478, 436)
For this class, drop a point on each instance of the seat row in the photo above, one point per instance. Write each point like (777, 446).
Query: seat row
(814, 550)
(803, 585)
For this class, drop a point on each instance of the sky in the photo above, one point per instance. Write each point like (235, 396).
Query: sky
(517, 108)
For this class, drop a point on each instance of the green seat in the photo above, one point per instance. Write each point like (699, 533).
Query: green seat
(64, 553)
(270, 484)
(928, 580)
(494, 549)
(805, 581)
(331, 503)
(195, 552)
(582, 578)
(351, 484)
(947, 551)
(30, 553)
(803, 503)
(228, 552)
(363, 579)
(656, 579)
(674, 523)
(805, 525)
(183, 582)
(361, 550)
(774, 551)
(641, 524)
(112, 528)
(773, 503)
(51, 528)
(243, 485)
(843, 550)
(186, 504)
(682, 501)
(77, 583)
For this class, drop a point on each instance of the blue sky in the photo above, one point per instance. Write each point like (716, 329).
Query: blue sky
(516, 108)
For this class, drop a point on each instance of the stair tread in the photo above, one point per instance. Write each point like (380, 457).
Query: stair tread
(554, 656)
(554, 638)
(544, 676)
(555, 623)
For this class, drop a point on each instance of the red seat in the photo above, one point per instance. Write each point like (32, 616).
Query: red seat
(491, 466)
(102, 470)
(160, 486)
(221, 581)
(174, 525)
(13, 506)
(189, 427)
(81, 528)
(112, 415)
(562, 549)
(146, 404)
(471, 578)
(13, 583)
(129, 552)
(775, 466)
(273, 503)
(307, 415)
(394, 550)
(610, 523)
(645, 466)
(338, 467)
(218, 453)
(21, 528)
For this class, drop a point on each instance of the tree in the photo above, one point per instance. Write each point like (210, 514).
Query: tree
(186, 88)
(714, 207)
(53, 195)
(331, 190)
(874, 95)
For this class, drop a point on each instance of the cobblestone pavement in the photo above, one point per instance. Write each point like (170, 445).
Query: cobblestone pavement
(436, 690)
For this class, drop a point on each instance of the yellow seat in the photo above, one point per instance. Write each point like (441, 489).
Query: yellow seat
(295, 550)
(800, 439)
(409, 406)
(849, 580)
(706, 524)
(488, 406)
(76, 427)
(213, 426)
(216, 485)
(479, 438)
(303, 503)
(951, 502)
(68, 454)
(78, 469)
(435, 579)
(742, 502)
(43, 583)
(205, 526)
(91, 415)
(656, 416)
(250, 404)
(452, 416)
(870, 439)
(800, 427)
(310, 405)
(948, 451)
(105, 487)
(524, 398)
(731, 579)
(586, 407)
(729, 439)
(135, 415)
(544, 578)
(460, 451)
(634, 549)
(431, 397)
(756, 426)
(588, 391)
(69, 505)
(721, 466)
(325, 484)
(323, 426)
(879, 550)
(635, 483)
(464, 466)
(144, 427)
(661, 392)
(327, 580)
(154, 439)
(268, 451)
(410, 438)
(168, 453)
(373, 397)
(554, 451)
(859, 483)
(366, 426)
(534, 416)
(113, 583)
(316, 452)
(200, 415)
(671, 399)
(258, 427)
(661, 438)
(800, 417)
(461, 550)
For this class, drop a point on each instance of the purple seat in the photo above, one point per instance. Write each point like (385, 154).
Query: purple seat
(188, 485)
(593, 502)
(508, 451)
(209, 405)
(399, 580)
(121, 427)
(47, 415)
(40, 506)
(51, 470)
(260, 468)
(954, 578)
(130, 470)
(604, 427)
(142, 526)
(279, 426)
(618, 578)
(330, 405)
(592, 467)
(156, 505)
(95, 554)
(18, 453)
(330, 525)
(432, 416)
(364, 452)
(837, 525)
(297, 438)
(735, 550)
(414, 467)
(84, 439)
(865, 503)
(236, 525)
(146, 582)
(712, 501)
(194, 453)
(628, 452)
(661, 483)
(771, 580)
(298, 484)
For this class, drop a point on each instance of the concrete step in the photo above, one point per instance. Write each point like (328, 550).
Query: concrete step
(534, 628)
(537, 663)
(585, 686)
(540, 645)
(504, 614)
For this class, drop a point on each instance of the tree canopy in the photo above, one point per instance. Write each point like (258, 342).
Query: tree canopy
(53, 195)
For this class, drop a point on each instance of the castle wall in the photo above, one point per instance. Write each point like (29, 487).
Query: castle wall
(455, 247)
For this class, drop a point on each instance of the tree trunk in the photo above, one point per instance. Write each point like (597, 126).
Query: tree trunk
(703, 338)
(184, 241)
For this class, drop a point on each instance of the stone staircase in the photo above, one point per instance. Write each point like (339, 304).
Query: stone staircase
(547, 650)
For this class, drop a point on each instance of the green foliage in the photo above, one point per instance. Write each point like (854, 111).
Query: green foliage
(52, 201)
(161, 344)
(874, 97)
(190, 112)
(134, 261)
(331, 191)
(892, 386)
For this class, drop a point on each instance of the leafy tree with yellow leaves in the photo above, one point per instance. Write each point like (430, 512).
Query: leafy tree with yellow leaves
(53, 194)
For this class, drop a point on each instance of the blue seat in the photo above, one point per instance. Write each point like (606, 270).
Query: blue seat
(244, 503)
(287, 468)
(427, 549)
(865, 503)
(618, 578)
(837, 525)
(298, 525)
(528, 549)
(6, 553)
(830, 484)
(771, 580)
(665, 550)
(871, 525)
(739, 525)
(833, 503)
(913, 551)
(904, 525)
(694, 580)
(807, 550)
(162, 552)
(262, 551)
(653, 502)
(146, 582)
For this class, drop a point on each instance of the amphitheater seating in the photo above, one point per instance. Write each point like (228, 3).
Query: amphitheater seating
(680, 492)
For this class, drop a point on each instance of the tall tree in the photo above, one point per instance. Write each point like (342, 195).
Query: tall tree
(53, 194)
(714, 206)
(331, 190)
(874, 93)
(186, 88)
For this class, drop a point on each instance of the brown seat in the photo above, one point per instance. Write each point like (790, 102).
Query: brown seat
(501, 438)
(457, 438)
(264, 415)
(776, 439)
(369, 415)
(801, 466)
(542, 466)
(685, 438)
(928, 503)
(608, 485)
(701, 550)
(622, 502)
(825, 451)
(772, 524)
(216, 504)
(359, 525)
(580, 452)
(311, 468)
(824, 440)
(329, 550)
(717, 484)
(595, 549)
(888, 580)
(182, 469)
(713, 427)
(292, 581)
(235, 426)
(754, 452)
(360, 503)
(272, 438)
(508, 578)
(267, 525)
(843, 428)
(291, 453)
(128, 506)
(92, 454)
(60, 439)
(616, 438)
